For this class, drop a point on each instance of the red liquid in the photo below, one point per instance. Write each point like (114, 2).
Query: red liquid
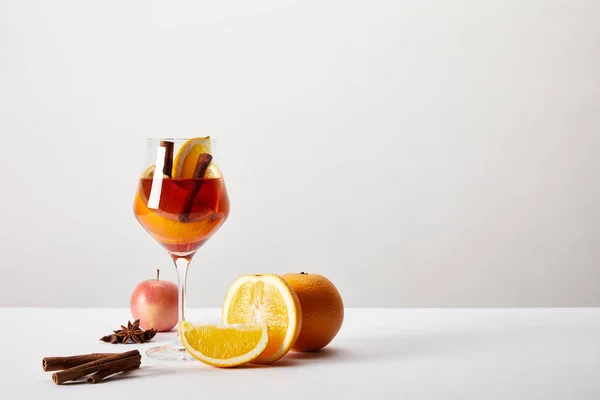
(180, 213)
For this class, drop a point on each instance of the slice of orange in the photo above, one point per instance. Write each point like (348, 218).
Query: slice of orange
(224, 345)
(149, 173)
(186, 158)
(213, 171)
(268, 299)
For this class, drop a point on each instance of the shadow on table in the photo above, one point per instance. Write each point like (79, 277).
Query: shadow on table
(399, 346)
(409, 346)
(295, 359)
(146, 371)
(402, 346)
(326, 354)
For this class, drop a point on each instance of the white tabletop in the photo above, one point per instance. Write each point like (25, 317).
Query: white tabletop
(379, 353)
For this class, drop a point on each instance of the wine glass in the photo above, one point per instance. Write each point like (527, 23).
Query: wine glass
(181, 201)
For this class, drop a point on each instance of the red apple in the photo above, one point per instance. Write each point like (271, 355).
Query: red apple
(154, 303)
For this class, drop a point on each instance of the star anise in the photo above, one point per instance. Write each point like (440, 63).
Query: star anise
(149, 334)
(130, 332)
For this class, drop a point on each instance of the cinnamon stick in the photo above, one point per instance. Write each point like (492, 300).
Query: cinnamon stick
(58, 363)
(168, 165)
(119, 360)
(98, 376)
(201, 166)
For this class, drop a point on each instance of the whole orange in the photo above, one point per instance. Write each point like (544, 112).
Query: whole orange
(322, 310)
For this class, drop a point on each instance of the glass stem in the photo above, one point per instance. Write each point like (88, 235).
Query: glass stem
(181, 265)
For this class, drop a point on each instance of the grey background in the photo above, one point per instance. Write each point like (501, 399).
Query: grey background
(418, 153)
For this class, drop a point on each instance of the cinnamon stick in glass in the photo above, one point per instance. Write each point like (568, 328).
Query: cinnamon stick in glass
(202, 164)
(168, 165)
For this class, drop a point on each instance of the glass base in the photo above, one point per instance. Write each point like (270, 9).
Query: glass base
(171, 352)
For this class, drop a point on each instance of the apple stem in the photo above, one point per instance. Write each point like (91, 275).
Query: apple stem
(157, 273)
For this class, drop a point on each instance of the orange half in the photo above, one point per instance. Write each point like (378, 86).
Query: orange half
(266, 299)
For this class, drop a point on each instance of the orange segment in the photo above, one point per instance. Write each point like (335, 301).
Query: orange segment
(149, 173)
(270, 300)
(213, 172)
(184, 162)
(169, 231)
(224, 345)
